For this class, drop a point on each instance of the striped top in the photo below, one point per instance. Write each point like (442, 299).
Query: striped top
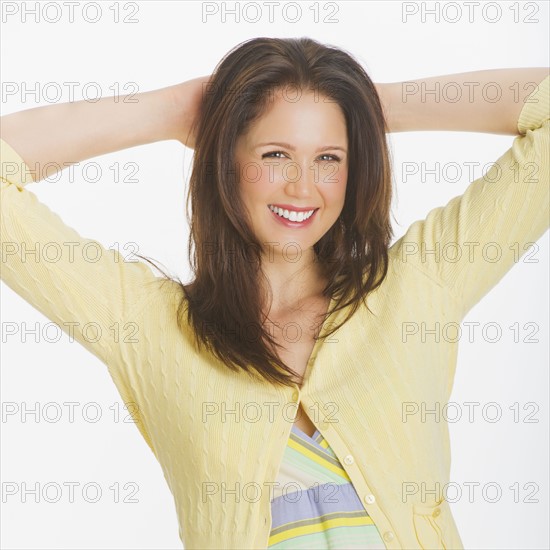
(314, 503)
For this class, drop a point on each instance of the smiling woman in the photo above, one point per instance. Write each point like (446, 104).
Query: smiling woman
(300, 157)
(293, 125)
(288, 128)
(304, 193)
(302, 173)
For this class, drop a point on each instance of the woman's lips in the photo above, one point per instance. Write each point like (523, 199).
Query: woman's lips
(289, 223)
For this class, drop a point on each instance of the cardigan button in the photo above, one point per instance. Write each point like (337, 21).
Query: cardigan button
(348, 460)
(324, 425)
(370, 499)
(295, 395)
(436, 512)
(388, 536)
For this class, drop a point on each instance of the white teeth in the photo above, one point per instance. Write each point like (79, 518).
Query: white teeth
(291, 215)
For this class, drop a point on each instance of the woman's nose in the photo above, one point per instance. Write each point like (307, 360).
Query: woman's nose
(300, 180)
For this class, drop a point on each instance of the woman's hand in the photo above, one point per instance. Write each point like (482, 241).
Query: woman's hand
(186, 101)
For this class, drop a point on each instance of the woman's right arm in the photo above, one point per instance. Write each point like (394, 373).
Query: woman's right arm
(56, 136)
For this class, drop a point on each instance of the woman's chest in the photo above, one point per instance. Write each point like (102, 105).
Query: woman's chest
(295, 333)
(296, 337)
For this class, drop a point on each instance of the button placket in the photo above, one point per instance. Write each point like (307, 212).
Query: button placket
(330, 430)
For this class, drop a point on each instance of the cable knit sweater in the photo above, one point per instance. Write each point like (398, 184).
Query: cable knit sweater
(220, 436)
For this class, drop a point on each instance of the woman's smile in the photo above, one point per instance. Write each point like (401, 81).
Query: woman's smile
(293, 218)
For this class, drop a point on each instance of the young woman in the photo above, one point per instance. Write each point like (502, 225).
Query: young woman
(272, 388)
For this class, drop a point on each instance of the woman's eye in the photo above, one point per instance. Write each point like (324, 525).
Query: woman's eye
(331, 158)
(269, 155)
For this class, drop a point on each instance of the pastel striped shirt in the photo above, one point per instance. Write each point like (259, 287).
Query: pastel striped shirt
(314, 503)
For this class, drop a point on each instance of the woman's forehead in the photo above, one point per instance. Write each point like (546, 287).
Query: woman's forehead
(305, 120)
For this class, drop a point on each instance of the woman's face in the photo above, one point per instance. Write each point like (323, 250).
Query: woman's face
(294, 158)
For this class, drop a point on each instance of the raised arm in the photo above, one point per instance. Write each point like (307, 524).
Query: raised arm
(84, 285)
(487, 101)
(57, 136)
(469, 244)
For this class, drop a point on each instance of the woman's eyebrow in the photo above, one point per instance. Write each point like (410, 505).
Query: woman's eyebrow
(291, 148)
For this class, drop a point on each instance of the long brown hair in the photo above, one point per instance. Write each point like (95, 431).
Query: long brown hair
(224, 300)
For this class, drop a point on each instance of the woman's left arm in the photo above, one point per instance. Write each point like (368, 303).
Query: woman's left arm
(487, 101)
(469, 244)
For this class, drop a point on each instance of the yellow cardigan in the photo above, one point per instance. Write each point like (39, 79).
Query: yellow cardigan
(219, 436)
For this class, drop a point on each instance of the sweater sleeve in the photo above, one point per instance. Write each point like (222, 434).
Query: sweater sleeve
(89, 291)
(469, 244)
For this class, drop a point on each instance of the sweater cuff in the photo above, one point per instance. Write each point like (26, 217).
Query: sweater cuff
(536, 109)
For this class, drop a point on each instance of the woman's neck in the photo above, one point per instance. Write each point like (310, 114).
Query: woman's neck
(292, 284)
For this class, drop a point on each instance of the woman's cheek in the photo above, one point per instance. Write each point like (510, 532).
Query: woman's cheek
(336, 184)
(255, 179)
(270, 176)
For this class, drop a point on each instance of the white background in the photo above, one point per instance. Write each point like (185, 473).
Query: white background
(170, 43)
